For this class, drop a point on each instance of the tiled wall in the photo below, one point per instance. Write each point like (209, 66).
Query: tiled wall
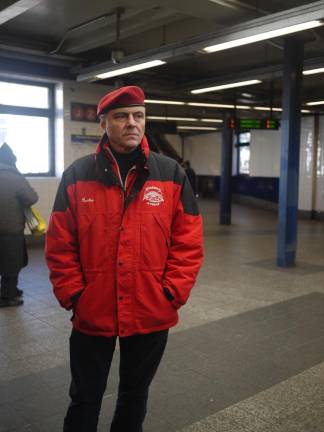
(320, 169)
(204, 153)
(265, 153)
(67, 152)
(83, 93)
(306, 164)
(176, 142)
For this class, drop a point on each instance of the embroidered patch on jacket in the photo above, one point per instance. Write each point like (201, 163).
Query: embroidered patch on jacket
(153, 196)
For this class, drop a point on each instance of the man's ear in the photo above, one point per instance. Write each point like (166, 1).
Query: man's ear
(103, 123)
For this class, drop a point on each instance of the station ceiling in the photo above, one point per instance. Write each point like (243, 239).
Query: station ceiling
(72, 38)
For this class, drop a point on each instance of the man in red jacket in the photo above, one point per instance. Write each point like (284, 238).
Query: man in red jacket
(124, 247)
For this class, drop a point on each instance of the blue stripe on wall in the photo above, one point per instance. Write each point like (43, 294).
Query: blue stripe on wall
(265, 188)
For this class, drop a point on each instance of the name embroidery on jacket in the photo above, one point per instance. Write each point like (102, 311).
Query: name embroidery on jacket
(153, 196)
(87, 200)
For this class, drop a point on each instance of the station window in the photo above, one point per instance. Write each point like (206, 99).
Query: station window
(27, 125)
(243, 152)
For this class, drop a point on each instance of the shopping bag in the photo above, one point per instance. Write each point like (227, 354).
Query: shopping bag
(35, 222)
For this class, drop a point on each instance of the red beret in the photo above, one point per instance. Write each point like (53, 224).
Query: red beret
(121, 97)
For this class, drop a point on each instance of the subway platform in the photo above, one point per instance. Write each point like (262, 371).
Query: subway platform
(247, 356)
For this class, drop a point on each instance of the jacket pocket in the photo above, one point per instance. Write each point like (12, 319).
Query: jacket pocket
(155, 242)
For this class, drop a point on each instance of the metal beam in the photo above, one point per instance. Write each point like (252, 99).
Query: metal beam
(132, 23)
(299, 15)
(262, 73)
(10, 9)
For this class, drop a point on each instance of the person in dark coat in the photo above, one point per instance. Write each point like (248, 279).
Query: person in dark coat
(15, 195)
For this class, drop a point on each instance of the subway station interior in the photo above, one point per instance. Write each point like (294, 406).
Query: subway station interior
(235, 87)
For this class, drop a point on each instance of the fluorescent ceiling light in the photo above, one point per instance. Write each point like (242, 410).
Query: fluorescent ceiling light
(262, 108)
(12, 9)
(226, 86)
(129, 69)
(313, 71)
(196, 128)
(211, 120)
(201, 104)
(263, 36)
(183, 119)
(214, 105)
(163, 102)
(172, 118)
(315, 103)
(210, 105)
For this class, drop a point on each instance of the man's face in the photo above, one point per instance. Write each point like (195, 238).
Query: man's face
(125, 127)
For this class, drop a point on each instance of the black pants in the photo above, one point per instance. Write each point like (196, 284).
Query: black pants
(8, 287)
(90, 358)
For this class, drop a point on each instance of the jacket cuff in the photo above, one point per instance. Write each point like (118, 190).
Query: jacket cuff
(171, 298)
(70, 302)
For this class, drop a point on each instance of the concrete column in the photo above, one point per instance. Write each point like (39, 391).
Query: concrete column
(290, 149)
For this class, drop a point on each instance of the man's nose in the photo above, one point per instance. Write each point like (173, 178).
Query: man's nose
(131, 120)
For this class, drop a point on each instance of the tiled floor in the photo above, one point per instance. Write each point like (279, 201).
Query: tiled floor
(248, 354)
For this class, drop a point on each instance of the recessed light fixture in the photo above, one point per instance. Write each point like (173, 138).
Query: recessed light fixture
(226, 86)
(128, 69)
(315, 103)
(263, 36)
(163, 102)
(313, 71)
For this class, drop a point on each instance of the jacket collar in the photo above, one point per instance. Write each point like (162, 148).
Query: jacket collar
(107, 165)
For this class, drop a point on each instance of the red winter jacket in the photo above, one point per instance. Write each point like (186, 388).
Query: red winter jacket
(124, 260)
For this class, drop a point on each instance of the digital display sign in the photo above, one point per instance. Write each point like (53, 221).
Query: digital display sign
(239, 124)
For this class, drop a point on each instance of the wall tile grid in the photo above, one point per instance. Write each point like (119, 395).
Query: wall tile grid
(306, 164)
(204, 152)
(265, 153)
(83, 93)
(320, 169)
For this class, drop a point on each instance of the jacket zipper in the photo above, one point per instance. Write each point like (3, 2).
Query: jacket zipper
(122, 185)
(123, 188)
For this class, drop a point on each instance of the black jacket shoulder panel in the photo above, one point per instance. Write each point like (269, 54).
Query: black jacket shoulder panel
(82, 169)
(164, 168)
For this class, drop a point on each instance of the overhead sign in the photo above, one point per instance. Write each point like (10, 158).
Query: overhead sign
(239, 124)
